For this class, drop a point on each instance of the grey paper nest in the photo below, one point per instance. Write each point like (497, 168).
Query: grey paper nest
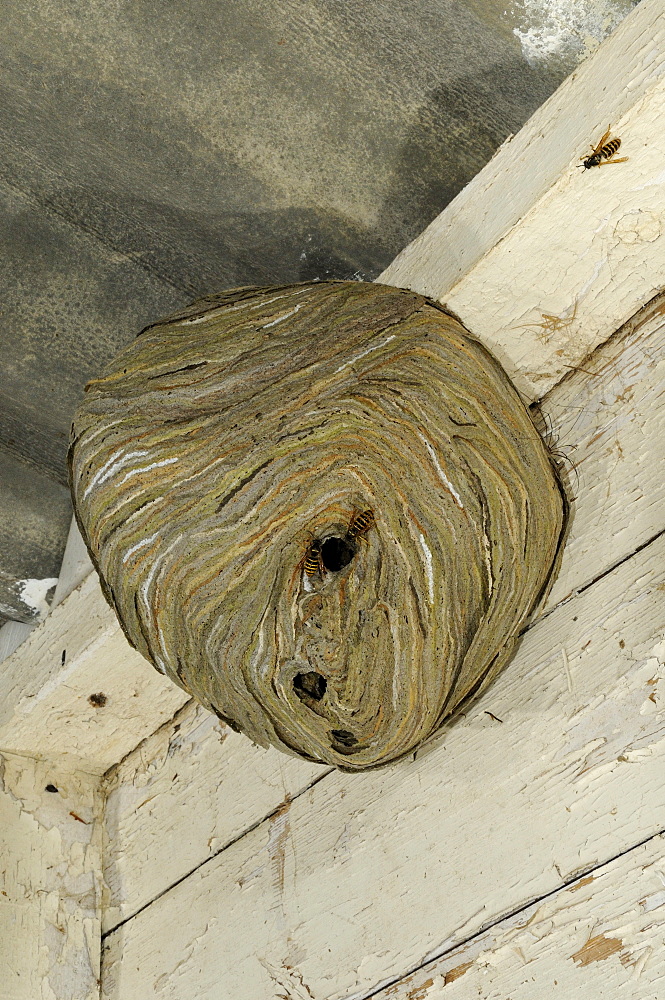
(322, 509)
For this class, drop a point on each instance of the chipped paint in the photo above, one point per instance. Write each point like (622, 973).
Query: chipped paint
(168, 979)
(456, 973)
(582, 882)
(288, 979)
(376, 906)
(278, 836)
(33, 594)
(563, 30)
(420, 992)
(653, 901)
(597, 949)
(50, 886)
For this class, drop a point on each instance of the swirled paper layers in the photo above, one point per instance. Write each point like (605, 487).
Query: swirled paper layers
(322, 509)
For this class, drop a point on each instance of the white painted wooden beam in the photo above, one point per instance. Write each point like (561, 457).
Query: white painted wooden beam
(607, 426)
(366, 876)
(76, 692)
(193, 767)
(540, 259)
(50, 882)
(601, 936)
(12, 634)
(76, 565)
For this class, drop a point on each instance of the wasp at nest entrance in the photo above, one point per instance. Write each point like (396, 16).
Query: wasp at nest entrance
(332, 554)
(336, 553)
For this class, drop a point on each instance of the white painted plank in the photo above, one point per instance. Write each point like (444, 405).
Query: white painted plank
(12, 634)
(589, 424)
(46, 687)
(76, 565)
(180, 798)
(608, 429)
(364, 875)
(50, 882)
(603, 936)
(532, 234)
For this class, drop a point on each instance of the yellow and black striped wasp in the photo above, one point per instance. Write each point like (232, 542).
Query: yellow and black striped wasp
(603, 153)
(313, 563)
(361, 523)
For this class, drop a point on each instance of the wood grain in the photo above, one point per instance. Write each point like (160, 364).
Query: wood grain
(606, 424)
(176, 801)
(46, 685)
(601, 936)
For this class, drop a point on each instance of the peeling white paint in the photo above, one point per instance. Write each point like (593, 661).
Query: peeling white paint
(563, 29)
(363, 915)
(589, 940)
(524, 230)
(33, 593)
(50, 882)
(566, 668)
(653, 901)
(44, 706)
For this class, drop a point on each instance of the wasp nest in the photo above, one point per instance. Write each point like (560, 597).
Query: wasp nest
(321, 509)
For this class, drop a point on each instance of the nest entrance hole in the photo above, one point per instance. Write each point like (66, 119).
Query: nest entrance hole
(344, 737)
(344, 742)
(310, 685)
(336, 553)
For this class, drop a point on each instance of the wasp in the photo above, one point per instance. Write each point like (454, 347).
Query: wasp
(313, 559)
(603, 153)
(361, 523)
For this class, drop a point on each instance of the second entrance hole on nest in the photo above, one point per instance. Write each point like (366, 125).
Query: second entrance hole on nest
(310, 685)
